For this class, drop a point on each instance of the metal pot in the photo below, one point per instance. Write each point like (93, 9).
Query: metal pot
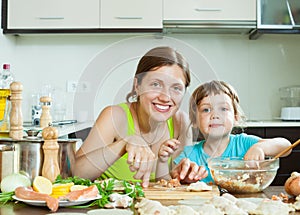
(6, 160)
(29, 156)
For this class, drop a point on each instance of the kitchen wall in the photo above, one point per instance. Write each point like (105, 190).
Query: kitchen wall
(104, 66)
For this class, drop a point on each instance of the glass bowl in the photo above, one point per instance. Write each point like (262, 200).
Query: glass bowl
(237, 175)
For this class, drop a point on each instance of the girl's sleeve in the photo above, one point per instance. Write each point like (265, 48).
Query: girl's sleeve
(182, 155)
(245, 142)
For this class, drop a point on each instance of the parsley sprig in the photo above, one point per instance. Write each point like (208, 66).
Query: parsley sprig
(107, 187)
(76, 180)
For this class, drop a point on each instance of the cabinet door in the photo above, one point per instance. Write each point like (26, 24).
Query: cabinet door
(234, 10)
(45, 14)
(290, 163)
(131, 14)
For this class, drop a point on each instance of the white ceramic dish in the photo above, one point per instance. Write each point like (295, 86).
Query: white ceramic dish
(110, 212)
(62, 203)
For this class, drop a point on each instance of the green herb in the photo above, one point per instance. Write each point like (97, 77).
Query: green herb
(76, 180)
(6, 197)
(133, 190)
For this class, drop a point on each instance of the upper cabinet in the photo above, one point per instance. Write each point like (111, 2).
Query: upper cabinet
(237, 10)
(209, 16)
(277, 17)
(131, 14)
(78, 16)
(48, 14)
(278, 14)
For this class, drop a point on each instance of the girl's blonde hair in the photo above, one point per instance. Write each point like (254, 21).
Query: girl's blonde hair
(213, 88)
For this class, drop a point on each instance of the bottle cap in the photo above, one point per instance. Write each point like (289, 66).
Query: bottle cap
(6, 66)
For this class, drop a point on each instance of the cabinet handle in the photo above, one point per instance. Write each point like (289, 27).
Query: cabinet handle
(129, 17)
(51, 18)
(207, 9)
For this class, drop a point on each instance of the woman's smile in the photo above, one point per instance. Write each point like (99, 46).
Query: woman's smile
(162, 108)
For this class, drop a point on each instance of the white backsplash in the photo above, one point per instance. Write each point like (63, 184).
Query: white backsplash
(256, 68)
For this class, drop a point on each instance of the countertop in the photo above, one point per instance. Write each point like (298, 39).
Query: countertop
(64, 130)
(272, 123)
(23, 209)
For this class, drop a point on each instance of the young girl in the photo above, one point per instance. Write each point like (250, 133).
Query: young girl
(125, 139)
(214, 108)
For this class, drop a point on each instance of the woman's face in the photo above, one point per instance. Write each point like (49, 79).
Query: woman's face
(161, 92)
(216, 116)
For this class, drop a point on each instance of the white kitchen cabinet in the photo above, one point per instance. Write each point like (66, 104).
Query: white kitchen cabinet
(210, 10)
(131, 14)
(49, 14)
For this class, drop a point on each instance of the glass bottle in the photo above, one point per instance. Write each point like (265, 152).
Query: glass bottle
(6, 78)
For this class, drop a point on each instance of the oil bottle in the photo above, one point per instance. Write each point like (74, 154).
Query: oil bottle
(6, 78)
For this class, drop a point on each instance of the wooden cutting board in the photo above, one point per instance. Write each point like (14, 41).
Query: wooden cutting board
(156, 193)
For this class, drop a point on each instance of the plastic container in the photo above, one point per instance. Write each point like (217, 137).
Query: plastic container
(290, 96)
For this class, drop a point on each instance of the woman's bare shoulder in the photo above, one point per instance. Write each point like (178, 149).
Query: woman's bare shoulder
(112, 118)
(181, 117)
(113, 111)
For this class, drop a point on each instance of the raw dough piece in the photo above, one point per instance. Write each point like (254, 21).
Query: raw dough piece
(147, 207)
(199, 186)
(271, 207)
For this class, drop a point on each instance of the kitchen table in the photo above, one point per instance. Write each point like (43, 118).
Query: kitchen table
(23, 209)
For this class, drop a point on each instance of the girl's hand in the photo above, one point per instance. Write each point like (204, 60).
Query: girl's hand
(255, 153)
(189, 172)
(140, 159)
(167, 149)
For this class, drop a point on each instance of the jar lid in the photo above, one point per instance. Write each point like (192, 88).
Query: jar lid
(6, 66)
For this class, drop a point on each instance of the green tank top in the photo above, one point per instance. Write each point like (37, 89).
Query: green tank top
(120, 169)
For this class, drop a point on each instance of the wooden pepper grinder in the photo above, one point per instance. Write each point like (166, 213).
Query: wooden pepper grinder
(50, 168)
(16, 116)
(46, 118)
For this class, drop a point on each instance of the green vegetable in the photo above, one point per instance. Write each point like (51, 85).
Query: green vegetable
(10, 182)
(6, 197)
(76, 180)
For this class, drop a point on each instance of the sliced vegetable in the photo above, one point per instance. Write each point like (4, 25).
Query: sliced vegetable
(42, 185)
(10, 182)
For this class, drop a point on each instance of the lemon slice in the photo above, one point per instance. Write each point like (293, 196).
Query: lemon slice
(42, 185)
(78, 187)
(62, 187)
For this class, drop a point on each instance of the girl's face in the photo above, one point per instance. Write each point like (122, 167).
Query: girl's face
(216, 116)
(161, 92)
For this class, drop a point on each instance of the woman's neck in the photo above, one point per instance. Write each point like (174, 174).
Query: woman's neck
(145, 124)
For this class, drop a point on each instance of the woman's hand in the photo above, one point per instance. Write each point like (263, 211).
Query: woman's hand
(140, 159)
(167, 149)
(188, 172)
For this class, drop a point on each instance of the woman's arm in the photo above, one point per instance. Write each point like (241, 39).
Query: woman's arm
(267, 147)
(183, 134)
(173, 147)
(104, 144)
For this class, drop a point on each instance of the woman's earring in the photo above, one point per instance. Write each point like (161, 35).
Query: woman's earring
(134, 97)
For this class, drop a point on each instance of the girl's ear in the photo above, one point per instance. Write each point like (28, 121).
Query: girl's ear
(236, 119)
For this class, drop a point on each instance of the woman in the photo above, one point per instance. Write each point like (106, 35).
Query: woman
(125, 138)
